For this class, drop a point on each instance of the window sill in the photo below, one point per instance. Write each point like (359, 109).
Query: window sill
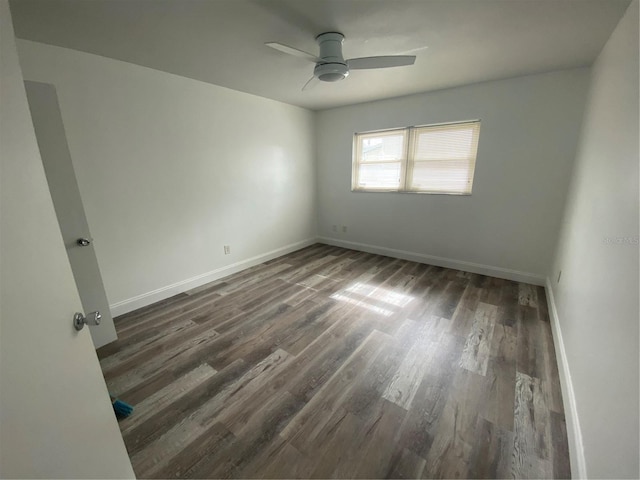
(360, 190)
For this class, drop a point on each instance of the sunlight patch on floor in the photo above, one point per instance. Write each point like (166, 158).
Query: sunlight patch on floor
(377, 299)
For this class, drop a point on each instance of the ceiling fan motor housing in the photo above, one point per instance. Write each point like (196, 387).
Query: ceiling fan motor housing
(331, 72)
(332, 66)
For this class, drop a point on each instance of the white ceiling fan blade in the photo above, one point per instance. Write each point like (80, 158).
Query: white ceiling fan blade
(313, 81)
(381, 62)
(292, 51)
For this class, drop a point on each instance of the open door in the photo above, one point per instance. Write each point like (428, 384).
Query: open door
(56, 420)
(54, 151)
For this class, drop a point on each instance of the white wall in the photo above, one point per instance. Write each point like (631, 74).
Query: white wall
(171, 169)
(56, 420)
(597, 296)
(509, 224)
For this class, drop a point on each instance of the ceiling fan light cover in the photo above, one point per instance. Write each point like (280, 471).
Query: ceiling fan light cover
(331, 72)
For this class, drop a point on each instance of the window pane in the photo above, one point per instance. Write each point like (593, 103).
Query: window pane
(443, 158)
(382, 147)
(452, 176)
(379, 175)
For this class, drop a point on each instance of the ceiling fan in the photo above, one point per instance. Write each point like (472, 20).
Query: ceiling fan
(331, 65)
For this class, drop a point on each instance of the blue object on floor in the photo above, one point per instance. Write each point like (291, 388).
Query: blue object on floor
(121, 408)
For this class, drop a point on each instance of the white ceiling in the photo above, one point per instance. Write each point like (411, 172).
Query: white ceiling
(457, 42)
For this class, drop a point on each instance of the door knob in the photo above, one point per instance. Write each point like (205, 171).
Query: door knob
(83, 242)
(79, 320)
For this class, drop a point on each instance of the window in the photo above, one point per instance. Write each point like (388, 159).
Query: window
(428, 159)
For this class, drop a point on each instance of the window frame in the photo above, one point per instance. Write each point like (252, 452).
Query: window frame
(407, 162)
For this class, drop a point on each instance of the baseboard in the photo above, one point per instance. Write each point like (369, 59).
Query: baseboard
(162, 293)
(489, 270)
(148, 298)
(574, 433)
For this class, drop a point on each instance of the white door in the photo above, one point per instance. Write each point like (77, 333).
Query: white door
(58, 167)
(56, 420)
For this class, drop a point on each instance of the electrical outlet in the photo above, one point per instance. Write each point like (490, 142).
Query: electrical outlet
(344, 229)
(559, 275)
(227, 249)
(334, 228)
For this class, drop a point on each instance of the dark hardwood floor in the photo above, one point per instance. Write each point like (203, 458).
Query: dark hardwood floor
(329, 362)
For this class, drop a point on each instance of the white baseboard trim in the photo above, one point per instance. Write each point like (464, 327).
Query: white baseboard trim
(489, 270)
(148, 298)
(574, 433)
(139, 301)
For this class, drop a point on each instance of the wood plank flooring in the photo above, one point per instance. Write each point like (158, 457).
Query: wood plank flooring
(333, 363)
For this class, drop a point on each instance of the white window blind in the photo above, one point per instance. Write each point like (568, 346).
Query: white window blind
(428, 159)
